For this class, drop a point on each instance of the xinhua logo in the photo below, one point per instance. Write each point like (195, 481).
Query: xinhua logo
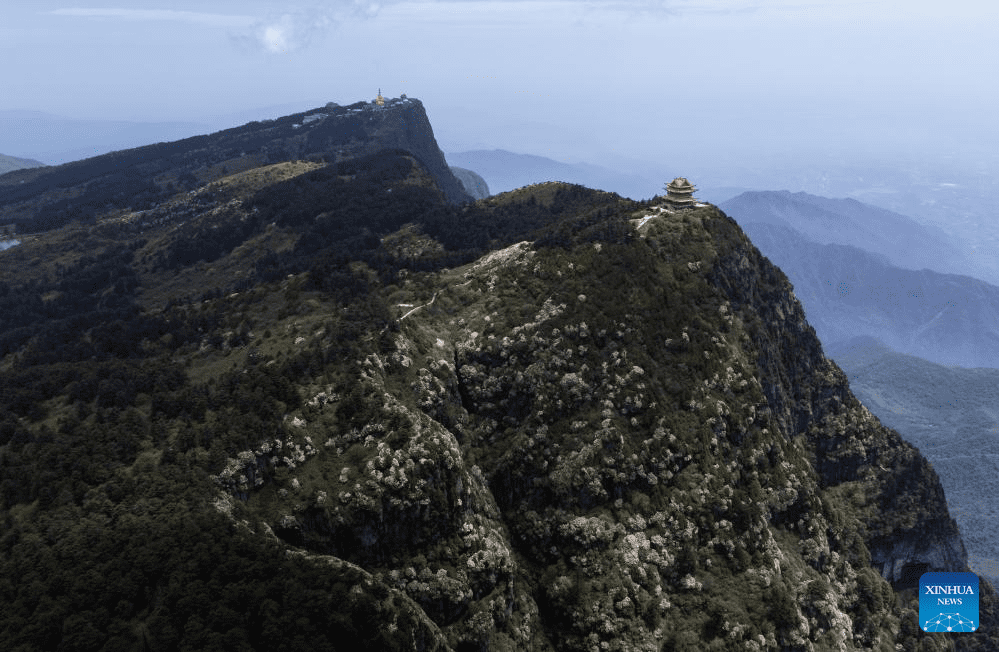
(948, 602)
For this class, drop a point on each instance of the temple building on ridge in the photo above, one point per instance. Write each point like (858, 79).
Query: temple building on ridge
(380, 101)
(679, 194)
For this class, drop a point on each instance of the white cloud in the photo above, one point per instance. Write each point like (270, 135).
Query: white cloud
(298, 29)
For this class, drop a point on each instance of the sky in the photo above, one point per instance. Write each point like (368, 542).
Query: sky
(721, 80)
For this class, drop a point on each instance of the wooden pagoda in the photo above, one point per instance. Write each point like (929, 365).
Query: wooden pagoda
(679, 194)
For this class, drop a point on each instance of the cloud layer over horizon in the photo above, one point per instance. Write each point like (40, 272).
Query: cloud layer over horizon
(557, 78)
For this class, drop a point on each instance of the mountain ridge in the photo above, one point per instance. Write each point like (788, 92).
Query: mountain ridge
(139, 178)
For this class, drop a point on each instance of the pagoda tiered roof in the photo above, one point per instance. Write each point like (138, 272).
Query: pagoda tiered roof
(681, 186)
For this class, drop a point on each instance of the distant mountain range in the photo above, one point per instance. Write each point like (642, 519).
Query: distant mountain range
(505, 171)
(847, 291)
(904, 241)
(10, 163)
(865, 271)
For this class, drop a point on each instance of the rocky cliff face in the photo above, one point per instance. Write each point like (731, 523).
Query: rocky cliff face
(363, 129)
(815, 399)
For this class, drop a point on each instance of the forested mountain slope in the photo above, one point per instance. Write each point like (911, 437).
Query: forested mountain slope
(318, 406)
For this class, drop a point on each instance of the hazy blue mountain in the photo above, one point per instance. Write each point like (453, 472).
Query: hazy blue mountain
(849, 292)
(954, 190)
(720, 194)
(906, 242)
(474, 185)
(951, 415)
(9, 163)
(505, 171)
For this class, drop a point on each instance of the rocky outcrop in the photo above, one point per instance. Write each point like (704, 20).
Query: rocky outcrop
(901, 559)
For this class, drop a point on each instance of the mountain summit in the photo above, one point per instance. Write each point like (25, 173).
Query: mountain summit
(316, 405)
